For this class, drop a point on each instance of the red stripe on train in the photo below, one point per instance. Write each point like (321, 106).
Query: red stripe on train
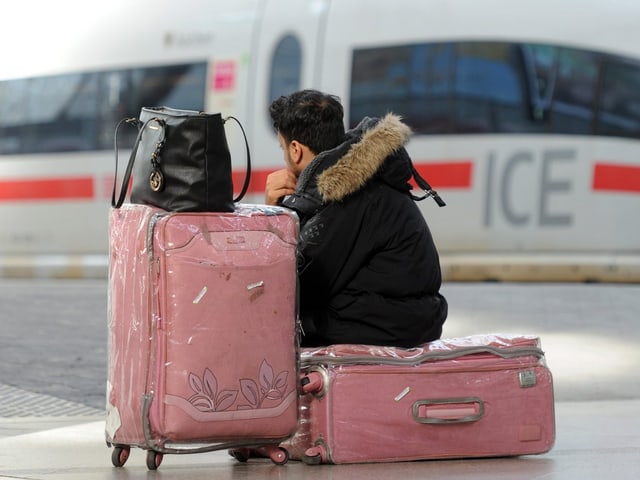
(256, 183)
(607, 177)
(78, 188)
(455, 174)
(611, 177)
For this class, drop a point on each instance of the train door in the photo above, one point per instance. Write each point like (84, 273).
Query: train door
(288, 49)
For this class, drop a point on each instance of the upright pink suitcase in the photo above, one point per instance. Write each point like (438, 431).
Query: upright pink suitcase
(477, 396)
(202, 330)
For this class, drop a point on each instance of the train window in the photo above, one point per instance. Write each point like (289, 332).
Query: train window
(620, 99)
(78, 112)
(488, 89)
(414, 81)
(540, 65)
(286, 67)
(496, 87)
(441, 87)
(572, 110)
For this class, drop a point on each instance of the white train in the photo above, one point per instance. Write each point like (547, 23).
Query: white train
(526, 116)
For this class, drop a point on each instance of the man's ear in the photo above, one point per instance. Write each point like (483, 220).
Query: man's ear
(295, 151)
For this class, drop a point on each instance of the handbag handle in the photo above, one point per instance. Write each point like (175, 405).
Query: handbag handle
(247, 176)
(127, 174)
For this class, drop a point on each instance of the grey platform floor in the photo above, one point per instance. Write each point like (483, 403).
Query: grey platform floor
(590, 333)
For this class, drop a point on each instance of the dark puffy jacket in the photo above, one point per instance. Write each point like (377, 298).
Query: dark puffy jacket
(369, 271)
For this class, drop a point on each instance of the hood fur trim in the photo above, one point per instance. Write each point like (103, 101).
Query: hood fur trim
(351, 172)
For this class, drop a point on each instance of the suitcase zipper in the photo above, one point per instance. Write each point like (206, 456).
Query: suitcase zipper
(155, 218)
(506, 353)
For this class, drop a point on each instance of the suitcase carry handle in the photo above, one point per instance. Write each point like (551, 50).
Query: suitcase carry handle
(448, 410)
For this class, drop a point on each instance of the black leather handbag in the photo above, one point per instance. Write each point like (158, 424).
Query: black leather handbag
(180, 162)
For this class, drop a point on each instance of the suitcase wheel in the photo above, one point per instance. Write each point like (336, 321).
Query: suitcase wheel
(119, 456)
(279, 456)
(240, 454)
(314, 455)
(154, 459)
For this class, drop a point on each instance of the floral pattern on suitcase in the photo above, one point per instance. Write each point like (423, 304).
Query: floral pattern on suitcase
(267, 393)
(207, 398)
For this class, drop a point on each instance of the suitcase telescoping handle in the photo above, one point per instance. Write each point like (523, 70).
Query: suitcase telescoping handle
(448, 410)
(315, 381)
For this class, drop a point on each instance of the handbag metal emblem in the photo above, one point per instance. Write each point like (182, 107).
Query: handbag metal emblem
(156, 180)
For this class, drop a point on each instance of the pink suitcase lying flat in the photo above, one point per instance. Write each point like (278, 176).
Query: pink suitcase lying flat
(477, 396)
(202, 330)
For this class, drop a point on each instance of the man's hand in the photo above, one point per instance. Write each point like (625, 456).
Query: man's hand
(279, 184)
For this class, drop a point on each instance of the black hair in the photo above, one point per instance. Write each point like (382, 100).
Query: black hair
(313, 118)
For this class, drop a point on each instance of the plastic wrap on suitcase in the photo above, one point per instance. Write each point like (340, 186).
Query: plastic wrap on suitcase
(202, 329)
(475, 396)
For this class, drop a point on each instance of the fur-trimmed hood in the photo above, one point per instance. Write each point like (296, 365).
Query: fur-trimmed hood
(374, 148)
(379, 140)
